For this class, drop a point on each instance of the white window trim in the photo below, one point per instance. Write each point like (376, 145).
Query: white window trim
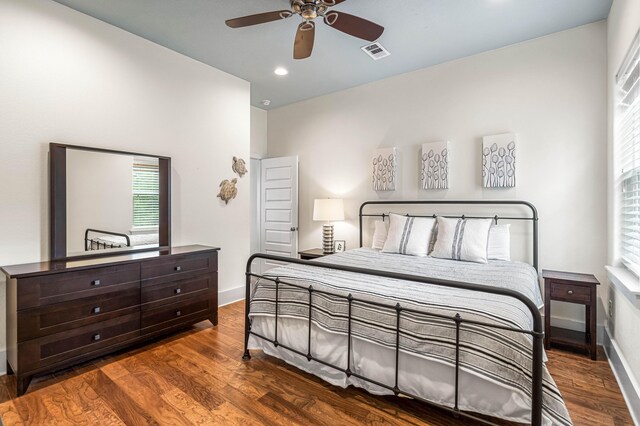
(627, 277)
(626, 282)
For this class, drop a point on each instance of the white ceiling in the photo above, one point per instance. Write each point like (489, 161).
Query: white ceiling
(418, 33)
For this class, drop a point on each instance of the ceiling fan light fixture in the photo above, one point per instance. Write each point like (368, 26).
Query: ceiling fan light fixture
(309, 13)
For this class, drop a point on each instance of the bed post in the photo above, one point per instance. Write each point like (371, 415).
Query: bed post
(247, 303)
(537, 367)
(360, 221)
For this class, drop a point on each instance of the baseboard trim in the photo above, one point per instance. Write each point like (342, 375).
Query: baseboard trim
(232, 295)
(621, 370)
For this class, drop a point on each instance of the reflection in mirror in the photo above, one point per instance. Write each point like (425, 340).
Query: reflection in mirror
(112, 201)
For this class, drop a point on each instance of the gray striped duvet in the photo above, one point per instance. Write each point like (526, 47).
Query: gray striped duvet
(496, 355)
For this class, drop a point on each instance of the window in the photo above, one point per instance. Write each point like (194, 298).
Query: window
(627, 143)
(146, 199)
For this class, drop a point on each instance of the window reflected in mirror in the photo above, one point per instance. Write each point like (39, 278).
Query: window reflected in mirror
(112, 201)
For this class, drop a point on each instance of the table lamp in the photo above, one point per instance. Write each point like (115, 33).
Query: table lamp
(328, 210)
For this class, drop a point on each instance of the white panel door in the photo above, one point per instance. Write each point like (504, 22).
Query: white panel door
(279, 208)
(255, 176)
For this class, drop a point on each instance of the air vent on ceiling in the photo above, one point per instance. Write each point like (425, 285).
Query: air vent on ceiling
(376, 51)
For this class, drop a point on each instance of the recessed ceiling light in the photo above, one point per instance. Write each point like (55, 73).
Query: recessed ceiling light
(266, 102)
(281, 71)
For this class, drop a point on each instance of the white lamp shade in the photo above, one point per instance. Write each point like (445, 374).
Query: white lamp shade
(328, 209)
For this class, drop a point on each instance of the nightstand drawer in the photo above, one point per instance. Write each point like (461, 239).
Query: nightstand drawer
(570, 292)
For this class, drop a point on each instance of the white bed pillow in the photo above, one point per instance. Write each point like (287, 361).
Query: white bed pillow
(462, 239)
(409, 235)
(379, 235)
(499, 247)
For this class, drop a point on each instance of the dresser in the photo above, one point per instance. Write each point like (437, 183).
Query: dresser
(60, 313)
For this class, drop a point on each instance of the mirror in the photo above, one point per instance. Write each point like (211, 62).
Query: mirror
(105, 201)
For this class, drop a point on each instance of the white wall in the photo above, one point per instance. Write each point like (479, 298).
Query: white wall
(550, 91)
(623, 24)
(258, 132)
(66, 77)
(98, 195)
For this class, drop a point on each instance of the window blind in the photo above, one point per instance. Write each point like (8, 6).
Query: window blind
(146, 200)
(627, 143)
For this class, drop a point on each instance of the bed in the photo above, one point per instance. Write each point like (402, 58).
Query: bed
(441, 331)
(95, 239)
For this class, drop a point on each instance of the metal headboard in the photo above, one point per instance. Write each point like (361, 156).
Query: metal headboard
(533, 218)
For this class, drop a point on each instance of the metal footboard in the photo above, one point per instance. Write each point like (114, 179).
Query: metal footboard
(459, 321)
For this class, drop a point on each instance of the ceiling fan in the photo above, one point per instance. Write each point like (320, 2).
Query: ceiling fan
(309, 10)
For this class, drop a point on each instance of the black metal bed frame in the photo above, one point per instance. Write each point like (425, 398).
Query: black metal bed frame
(89, 242)
(537, 332)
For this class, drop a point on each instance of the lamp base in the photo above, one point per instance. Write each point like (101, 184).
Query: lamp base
(327, 239)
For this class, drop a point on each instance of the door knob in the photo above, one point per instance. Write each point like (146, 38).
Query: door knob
(294, 228)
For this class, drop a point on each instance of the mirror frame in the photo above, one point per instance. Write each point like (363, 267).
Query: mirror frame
(58, 202)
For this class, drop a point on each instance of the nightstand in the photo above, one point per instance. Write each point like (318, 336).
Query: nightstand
(311, 254)
(573, 288)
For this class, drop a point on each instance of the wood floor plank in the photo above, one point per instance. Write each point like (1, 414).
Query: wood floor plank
(195, 382)
(198, 377)
(152, 399)
(89, 401)
(9, 414)
(121, 404)
(64, 408)
(32, 409)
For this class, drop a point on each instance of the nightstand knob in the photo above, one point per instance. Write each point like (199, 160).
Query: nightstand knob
(96, 310)
(96, 337)
(177, 291)
(178, 313)
(177, 269)
(570, 292)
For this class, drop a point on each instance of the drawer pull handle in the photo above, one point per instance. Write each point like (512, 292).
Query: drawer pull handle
(570, 292)
(96, 337)
(95, 282)
(178, 313)
(177, 291)
(96, 310)
(178, 268)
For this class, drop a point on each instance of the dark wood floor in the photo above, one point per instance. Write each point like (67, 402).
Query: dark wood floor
(198, 377)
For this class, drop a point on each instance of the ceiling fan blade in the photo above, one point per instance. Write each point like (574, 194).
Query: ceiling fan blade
(353, 25)
(305, 36)
(260, 18)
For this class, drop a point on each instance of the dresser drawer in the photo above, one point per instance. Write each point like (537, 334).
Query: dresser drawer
(38, 353)
(172, 314)
(179, 267)
(58, 288)
(37, 322)
(155, 295)
(570, 292)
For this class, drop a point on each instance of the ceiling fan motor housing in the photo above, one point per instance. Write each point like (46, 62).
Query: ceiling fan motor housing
(309, 9)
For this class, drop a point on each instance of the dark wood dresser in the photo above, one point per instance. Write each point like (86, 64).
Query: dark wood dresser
(60, 313)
